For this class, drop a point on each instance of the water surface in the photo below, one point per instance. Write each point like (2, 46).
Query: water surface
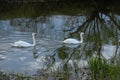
(101, 37)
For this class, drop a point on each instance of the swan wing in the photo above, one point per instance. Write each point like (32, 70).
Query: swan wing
(21, 44)
(71, 41)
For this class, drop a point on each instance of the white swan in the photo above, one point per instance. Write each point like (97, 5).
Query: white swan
(25, 44)
(74, 41)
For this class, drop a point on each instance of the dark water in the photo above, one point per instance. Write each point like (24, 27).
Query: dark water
(101, 28)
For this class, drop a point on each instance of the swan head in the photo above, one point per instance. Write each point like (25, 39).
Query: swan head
(33, 34)
(82, 33)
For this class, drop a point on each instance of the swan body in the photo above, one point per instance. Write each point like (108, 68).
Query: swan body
(25, 44)
(74, 41)
(22, 44)
(71, 41)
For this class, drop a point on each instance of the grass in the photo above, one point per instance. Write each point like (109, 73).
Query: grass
(102, 70)
(15, 76)
(99, 69)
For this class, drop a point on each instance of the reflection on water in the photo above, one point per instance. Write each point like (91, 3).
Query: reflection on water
(101, 38)
(110, 51)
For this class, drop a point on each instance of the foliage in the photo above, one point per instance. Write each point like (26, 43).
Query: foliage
(102, 70)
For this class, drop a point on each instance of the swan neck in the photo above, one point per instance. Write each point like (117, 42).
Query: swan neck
(81, 36)
(34, 41)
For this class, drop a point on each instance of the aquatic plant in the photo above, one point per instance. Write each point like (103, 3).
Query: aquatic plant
(100, 69)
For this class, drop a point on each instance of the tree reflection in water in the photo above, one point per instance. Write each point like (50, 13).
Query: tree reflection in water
(102, 31)
(101, 28)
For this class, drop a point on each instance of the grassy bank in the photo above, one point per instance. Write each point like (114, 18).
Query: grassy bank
(99, 69)
(102, 70)
(23, 10)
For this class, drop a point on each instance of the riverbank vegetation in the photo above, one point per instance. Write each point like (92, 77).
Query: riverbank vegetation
(99, 69)
(95, 12)
(21, 9)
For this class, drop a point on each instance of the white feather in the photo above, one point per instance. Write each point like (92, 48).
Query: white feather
(74, 41)
(25, 44)
(71, 41)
